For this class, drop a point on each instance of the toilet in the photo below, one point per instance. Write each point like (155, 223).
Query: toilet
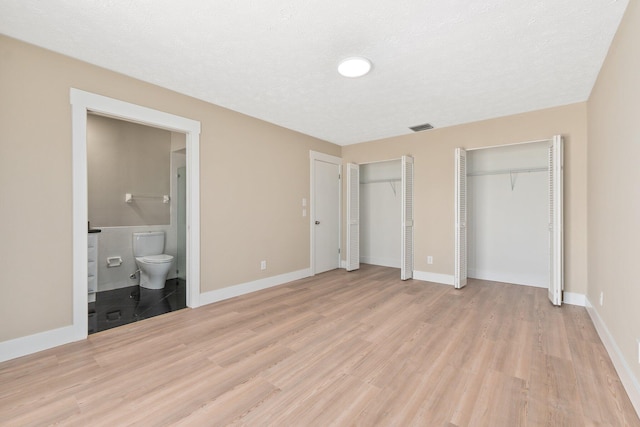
(153, 264)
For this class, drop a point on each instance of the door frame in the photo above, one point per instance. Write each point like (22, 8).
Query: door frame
(83, 103)
(405, 273)
(557, 280)
(327, 158)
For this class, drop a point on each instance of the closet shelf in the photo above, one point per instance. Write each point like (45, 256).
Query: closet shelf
(508, 171)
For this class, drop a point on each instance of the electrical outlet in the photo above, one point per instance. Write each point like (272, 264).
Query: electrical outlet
(601, 298)
(304, 211)
(263, 265)
(429, 259)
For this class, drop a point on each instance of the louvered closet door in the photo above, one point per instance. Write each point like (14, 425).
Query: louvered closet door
(556, 244)
(353, 217)
(406, 270)
(460, 273)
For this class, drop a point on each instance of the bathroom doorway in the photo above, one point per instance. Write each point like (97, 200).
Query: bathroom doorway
(134, 192)
(83, 104)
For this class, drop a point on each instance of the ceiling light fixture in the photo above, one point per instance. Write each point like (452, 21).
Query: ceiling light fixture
(354, 67)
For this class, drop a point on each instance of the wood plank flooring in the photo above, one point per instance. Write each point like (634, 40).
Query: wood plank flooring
(360, 348)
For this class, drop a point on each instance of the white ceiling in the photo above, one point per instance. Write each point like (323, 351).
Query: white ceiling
(441, 62)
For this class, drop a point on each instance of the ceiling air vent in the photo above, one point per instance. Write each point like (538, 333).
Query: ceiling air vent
(420, 128)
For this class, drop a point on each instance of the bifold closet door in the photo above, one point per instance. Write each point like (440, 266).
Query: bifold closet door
(353, 217)
(406, 269)
(556, 243)
(460, 214)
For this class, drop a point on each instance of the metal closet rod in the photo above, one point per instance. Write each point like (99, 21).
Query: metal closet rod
(508, 171)
(375, 181)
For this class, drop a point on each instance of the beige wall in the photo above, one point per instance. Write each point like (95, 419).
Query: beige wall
(253, 178)
(125, 157)
(434, 179)
(614, 180)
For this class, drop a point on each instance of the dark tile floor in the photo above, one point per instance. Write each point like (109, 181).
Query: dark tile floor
(126, 305)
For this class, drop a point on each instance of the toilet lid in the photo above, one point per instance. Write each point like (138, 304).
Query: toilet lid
(157, 259)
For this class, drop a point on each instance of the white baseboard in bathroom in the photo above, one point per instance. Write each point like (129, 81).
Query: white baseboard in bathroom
(628, 379)
(445, 279)
(23, 346)
(256, 285)
(574, 299)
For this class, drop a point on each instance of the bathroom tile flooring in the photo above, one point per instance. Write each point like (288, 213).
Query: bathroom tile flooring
(126, 305)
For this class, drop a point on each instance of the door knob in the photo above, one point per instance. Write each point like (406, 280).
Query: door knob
(317, 222)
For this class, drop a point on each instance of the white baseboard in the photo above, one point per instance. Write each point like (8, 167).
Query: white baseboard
(343, 263)
(445, 279)
(516, 279)
(22, 346)
(574, 299)
(256, 285)
(384, 262)
(629, 381)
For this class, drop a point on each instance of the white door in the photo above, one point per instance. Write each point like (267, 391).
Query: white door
(460, 214)
(353, 217)
(406, 251)
(325, 218)
(556, 247)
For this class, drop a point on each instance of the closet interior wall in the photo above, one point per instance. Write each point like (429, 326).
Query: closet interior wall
(380, 213)
(508, 197)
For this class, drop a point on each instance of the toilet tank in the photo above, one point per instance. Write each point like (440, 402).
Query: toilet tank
(148, 243)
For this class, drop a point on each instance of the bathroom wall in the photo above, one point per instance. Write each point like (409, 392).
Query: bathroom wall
(122, 158)
(117, 241)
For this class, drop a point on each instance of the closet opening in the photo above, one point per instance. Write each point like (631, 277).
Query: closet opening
(380, 215)
(509, 215)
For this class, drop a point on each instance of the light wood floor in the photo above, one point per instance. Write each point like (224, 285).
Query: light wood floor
(361, 348)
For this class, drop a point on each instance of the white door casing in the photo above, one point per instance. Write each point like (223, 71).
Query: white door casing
(556, 228)
(460, 214)
(406, 251)
(84, 102)
(353, 217)
(325, 212)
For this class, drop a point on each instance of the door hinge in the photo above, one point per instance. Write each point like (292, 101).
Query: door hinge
(338, 250)
(339, 176)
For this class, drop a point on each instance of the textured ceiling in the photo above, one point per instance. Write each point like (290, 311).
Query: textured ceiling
(442, 62)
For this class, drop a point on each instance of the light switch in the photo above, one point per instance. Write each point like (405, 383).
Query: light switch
(304, 202)
(304, 212)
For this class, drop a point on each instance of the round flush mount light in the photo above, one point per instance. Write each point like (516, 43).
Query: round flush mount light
(354, 67)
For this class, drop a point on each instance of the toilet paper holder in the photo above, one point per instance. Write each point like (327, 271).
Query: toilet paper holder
(114, 261)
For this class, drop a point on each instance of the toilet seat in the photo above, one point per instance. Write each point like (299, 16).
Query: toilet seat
(157, 259)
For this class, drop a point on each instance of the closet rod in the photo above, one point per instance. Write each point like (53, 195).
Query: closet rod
(375, 181)
(508, 171)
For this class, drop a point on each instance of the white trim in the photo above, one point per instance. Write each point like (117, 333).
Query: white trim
(510, 144)
(256, 285)
(574, 299)
(444, 279)
(84, 102)
(316, 155)
(343, 264)
(313, 156)
(629, 381)
(383, 262)
(511, 278)
(30, 344)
